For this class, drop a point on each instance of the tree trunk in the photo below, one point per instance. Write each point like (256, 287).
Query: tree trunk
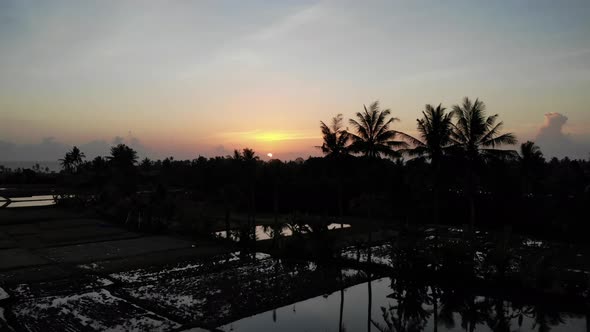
(227, 223)
(470, 192)
(276, 229)
(436, 192)
(276, 204)
(340, 204)
(472, 211)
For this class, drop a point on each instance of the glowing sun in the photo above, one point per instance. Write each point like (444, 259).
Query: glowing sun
(269, 155)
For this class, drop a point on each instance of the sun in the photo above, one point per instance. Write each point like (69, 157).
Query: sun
(269, 155)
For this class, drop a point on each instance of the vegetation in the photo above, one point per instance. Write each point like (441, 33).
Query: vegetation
(336, 138)
(451, 168)
(373, 137)
(476, 137)
(72, 160)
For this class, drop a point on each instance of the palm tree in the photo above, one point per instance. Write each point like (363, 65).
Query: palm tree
(72, 160)
(335, 138)
(250, 161)
(531, 161)
(123, 156)
(373, 137)
(476, 137)
(335, 146)
(146, 164)
(435, 129)
(530, 152)
(66, 162)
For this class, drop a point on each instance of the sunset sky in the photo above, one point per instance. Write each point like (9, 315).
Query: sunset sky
(184, 78)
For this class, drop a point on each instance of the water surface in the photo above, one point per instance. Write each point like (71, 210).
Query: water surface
(30, 201)
(322, 313)
(264, 232)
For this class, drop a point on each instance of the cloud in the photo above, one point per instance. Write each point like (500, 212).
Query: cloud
(269, 136)
(290, 23)
(554, 142)
(47, 149)
(50, 150)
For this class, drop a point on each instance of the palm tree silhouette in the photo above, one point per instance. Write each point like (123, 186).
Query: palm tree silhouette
(335, 138)
(249, 160)
(530, 152)
(336, 146)
(122, 156)
(435, 129)
(146, 164)
(476, 136)
(531, 162)
(373, 137)
(72, 160)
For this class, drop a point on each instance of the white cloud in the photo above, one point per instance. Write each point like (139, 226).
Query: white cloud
(554, 142)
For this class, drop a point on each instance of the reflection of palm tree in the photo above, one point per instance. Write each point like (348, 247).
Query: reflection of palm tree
(435, 299)
(373, 137)
(340, 328)
(370, 301)
(435, 135)
(472, 312)
(545, 317)
(410, 295)
(476, 137)
(500, 319)
(587, 317)
(335, 138)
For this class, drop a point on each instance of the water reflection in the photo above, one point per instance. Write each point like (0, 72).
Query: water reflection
(264, 232)
(437, 284)
(31, 201)
(394, 307)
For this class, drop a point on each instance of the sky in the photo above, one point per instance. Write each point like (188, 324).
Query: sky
(189, 78)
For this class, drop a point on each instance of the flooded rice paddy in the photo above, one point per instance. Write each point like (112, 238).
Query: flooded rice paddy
(348, 310)
(265, 232)
(412, 283)
(30, 201)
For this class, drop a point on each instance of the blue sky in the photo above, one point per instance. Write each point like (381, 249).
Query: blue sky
(185, 78)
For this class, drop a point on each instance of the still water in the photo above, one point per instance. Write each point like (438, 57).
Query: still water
(41, 200)
(323, 314)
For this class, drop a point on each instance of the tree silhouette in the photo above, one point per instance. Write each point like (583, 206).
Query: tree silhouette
(122, 156)
(531, 162)
(476, 137)
(248, 161)
(435, 129)
(72, 160)
(146, 164)
(531, 153)
(373, 137)
(335, 138)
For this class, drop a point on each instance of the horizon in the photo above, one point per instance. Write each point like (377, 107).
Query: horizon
(188, 79)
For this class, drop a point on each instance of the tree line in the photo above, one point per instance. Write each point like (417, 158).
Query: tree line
(453, 172)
